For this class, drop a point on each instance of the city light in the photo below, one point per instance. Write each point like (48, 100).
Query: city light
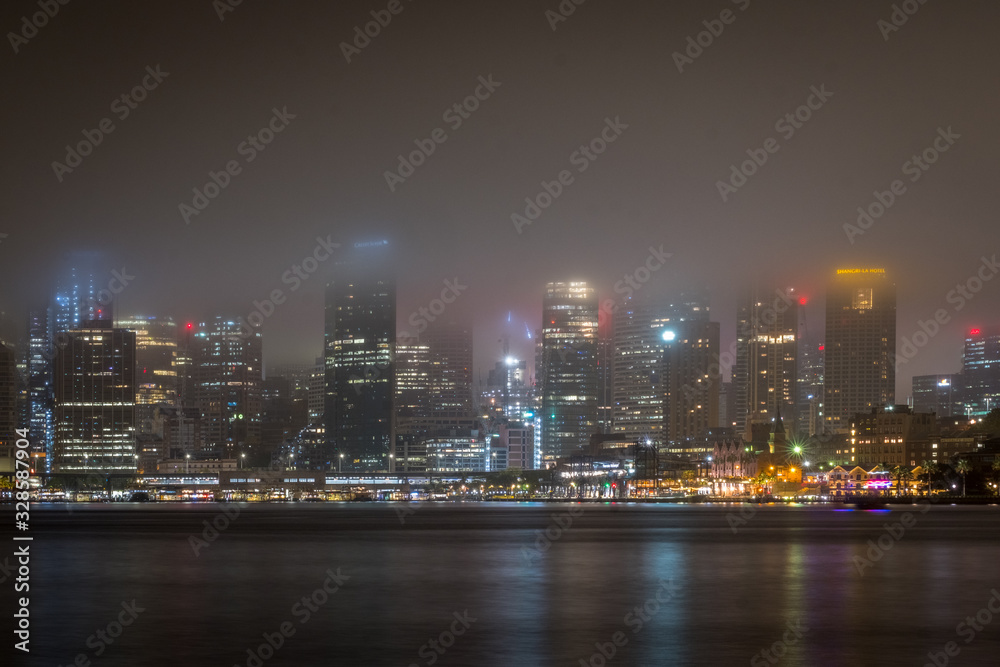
(669, 336)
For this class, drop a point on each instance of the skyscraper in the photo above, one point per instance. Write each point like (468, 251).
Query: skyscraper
(691, 380)
(940, 394)
(413, 371)
(767, 340)
(75, 298)
(638, 364)
(94, 392)
(981, 372)
(860, 345)
(811, 378)
(360, 340)
(8, 401)
(450, 370)
(569, 358)
(41, 352)
(227, 383)
(156, 359)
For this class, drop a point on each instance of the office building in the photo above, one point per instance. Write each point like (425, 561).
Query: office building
(360, 340)
(981, 373)
(859, 371)
(94, 392)
(8, 405)
(811, 371)
(638, 360)
(940, 394)
(570, 365)
(895, 435)
(767, 340)
(450, 370)
(227, 383)
(690, 381)
(156, 359)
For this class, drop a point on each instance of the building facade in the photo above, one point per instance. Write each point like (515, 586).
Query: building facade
(767, 340)
(360, 341)
(860, 372)
(691, 381)
(570, 362)
(94, 392)
(228, 380)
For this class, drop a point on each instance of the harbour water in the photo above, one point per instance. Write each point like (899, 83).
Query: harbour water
(512, 584)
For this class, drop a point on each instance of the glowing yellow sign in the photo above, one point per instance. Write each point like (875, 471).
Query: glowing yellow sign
(841, 272)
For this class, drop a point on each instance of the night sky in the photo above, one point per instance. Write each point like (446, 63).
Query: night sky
(323, 175)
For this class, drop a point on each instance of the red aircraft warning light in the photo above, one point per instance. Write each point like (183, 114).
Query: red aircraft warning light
(975, 332)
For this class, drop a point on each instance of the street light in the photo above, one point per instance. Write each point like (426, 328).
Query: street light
(242, 459)
(391, 457)
(340, 465)
(187, 462)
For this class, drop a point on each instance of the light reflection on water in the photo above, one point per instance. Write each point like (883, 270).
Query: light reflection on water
(736, 593)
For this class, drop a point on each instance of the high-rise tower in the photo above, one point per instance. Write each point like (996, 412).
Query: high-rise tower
(360, 342)
(767, 341)
(569, 358)
(860, 345)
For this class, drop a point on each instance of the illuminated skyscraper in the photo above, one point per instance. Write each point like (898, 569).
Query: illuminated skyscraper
(8, 402)
(569, 357)
(94, 393)
(860, 346)
(227, 383)
(981, 372)
(156, 359)
(767, 341)
(940, 394)
(690, 382)
(413, 372)
(638, 365)
(360, 373)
